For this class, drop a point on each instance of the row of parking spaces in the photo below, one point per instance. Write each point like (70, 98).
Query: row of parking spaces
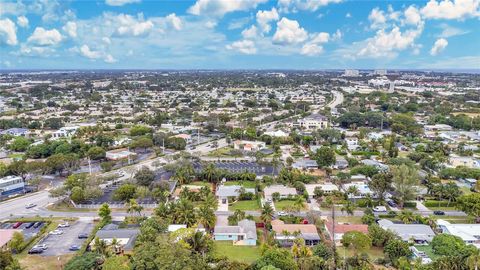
(64, 240)
(29, 229)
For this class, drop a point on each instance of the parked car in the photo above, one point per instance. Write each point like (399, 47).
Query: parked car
(439, 213)
(37, 224)
(83, 236)
(30, 205)
(281, 213)
(63, 225)
(391, 203)
(29, 225)
(56, 232)
(16, 225)
(379, 209)
(42, 246)
(74, 248)
(35, 251)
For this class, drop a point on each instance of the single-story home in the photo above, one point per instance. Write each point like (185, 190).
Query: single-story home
(305, 164)
(326, 187)
(224, 192)
(125, 237)
(337, 233)
(250, 146)
(243, 234)
(307, 232)
(362, 187)
(5, 236)
(340, 163)
(119, 154)
(284, 191)
(470, 233)
(418, 233)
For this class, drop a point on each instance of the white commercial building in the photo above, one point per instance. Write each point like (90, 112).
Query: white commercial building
(11, 184)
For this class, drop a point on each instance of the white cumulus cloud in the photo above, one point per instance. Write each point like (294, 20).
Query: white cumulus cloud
(311, 49)
(377, 18)
(412, 16)
(446, 9)
(222, 7)
(175, 21)
(438, 46)
(289, 32)
(8, 32)
(264, 17)
(87, 52)
(22, 21)
(118, 3)
(310, 5)
(243, 46)
(71, 29)
(250, 33)
(130, 26)
(44, 37)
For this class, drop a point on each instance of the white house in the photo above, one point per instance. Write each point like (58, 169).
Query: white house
(362, 187)
(243, 234)
(352, 143)
(470, 233)
(327, 188)
(276, 133)
(312, 122)
(250, 146)
(65, 132)
(284, 191)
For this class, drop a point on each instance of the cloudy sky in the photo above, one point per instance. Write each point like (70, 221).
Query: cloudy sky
(239, 34)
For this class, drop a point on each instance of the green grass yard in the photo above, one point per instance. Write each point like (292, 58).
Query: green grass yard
(373, 253)
(246, 254)
(281, 205)
(245, 184)
(251, 205)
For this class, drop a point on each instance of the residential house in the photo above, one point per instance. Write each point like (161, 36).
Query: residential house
(362, 188)
(119, 154)
(5, 236)
(65, 132)
(352, 143)
(469, 233)
(337, 233)
(312, 122)
(340, 163)
(305, 164)
(249, 146)
(125, 237)
(307, 232)
(16, 132)
(417, 233)
(243, 234)
(375, 163)
(327, 188)
(470, 162)
(276, 133)
(224, 192)
(284, 191)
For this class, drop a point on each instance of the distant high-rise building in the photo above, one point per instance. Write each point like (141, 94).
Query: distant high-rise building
(381, 72)
(392, 86)
(351, 73)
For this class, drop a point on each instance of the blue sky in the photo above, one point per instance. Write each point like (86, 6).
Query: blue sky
(239, 34)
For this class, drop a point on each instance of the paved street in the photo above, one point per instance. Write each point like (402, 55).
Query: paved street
(337, 99)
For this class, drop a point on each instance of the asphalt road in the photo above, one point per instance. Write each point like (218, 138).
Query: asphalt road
(16, 207)
(337, 99)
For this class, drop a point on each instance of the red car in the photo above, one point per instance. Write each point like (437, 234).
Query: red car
(16, 225)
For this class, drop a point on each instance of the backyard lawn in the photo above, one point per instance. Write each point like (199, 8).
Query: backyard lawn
(281, 205)
(222, 152)
(36, 262)
(251, 205)
(245, 184)
(246, 254)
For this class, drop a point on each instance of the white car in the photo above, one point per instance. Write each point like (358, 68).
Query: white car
(56, 232)
(379, 209)
(281, 213)
(42, 246)
(63, 225)
(30, 205)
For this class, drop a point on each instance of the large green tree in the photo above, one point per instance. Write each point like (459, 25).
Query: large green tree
(405, 179)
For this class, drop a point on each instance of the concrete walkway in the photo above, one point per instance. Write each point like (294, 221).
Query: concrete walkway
(421, 206)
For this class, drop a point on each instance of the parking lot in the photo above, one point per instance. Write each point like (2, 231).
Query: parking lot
(60, 244)
(27, 233)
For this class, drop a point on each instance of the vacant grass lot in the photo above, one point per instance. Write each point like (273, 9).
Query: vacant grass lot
(246, 254)
(36, 262)
(251, 205)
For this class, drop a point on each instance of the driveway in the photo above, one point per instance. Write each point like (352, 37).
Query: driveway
(59, 244)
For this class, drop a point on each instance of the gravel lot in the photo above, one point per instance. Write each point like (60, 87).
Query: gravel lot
(59, 244)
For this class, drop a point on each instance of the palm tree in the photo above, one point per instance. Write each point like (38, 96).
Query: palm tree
(101, 247)
(299, 250)
(299, 203)
(134, 207)
(286, 234)
(210, 172)
(199, 243)
(349, 207)
(184, 213)
(206, 217)
(473, 261)
(406, 216)
(210, 201)
(267, 213)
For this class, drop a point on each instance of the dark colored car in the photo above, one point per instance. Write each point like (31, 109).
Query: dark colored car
(439, 213)
(35, 251)
(37, 224)
(74, 248)
(392, 204)
(16, 225)
(82, 236)
(29, 225)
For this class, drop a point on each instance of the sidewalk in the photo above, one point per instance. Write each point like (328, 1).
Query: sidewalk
(421, 207)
